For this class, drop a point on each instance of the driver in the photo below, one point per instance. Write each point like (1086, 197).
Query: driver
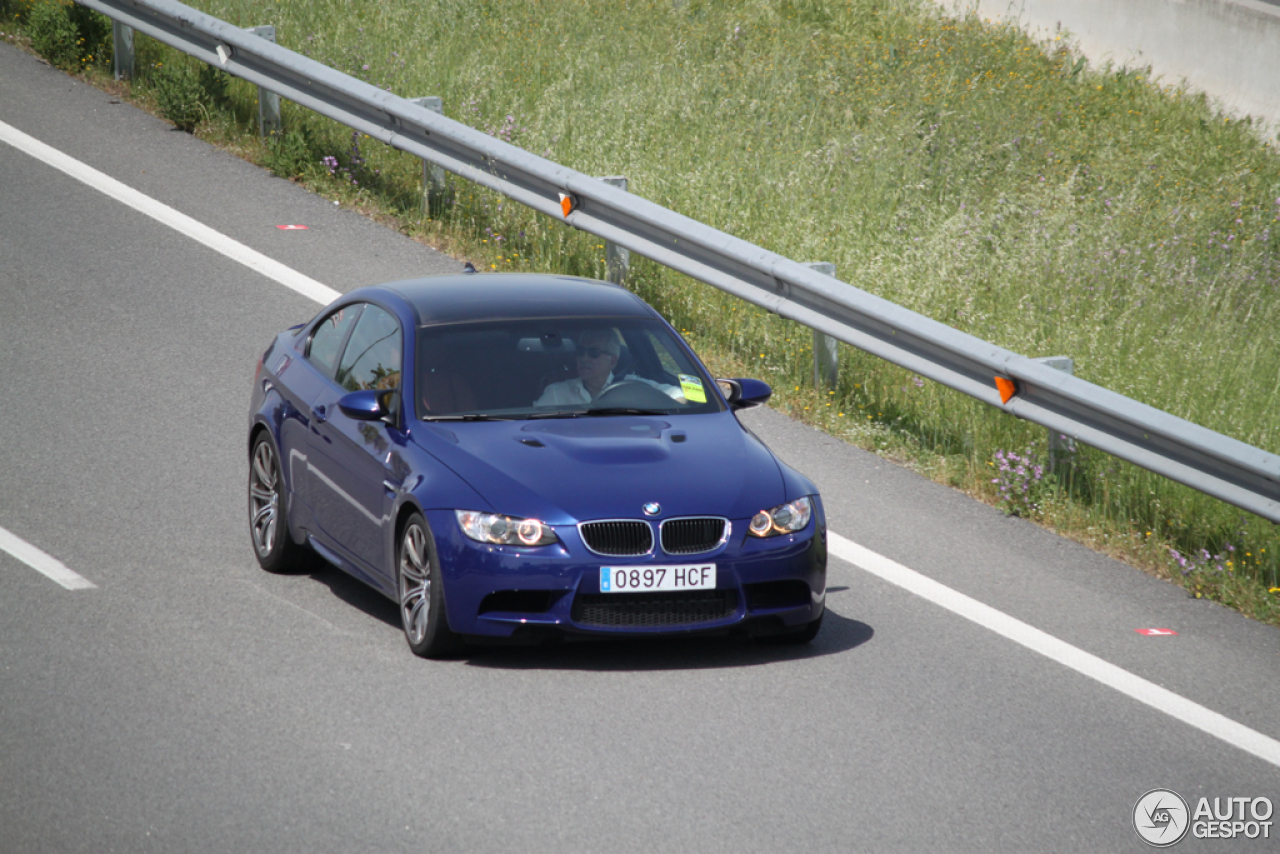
(597, 357)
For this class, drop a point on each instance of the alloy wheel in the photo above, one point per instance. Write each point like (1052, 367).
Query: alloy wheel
(264, 499)
(415, 583)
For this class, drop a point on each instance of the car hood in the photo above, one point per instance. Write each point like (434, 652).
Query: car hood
(564, 471)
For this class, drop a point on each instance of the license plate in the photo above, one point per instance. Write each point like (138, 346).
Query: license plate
(636, 579)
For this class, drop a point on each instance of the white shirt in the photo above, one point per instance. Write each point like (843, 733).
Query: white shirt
(573, 392)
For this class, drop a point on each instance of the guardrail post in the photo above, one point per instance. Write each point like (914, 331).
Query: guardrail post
(826, 353)
(1061, 448)
(617, 259)
(433, 187)
(268, 102)
(121, 51)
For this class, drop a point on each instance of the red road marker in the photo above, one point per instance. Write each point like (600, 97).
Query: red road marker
(292, 227)
(1155, 632)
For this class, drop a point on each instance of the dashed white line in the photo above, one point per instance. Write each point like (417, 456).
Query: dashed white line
(43, 563)
(1179, 707)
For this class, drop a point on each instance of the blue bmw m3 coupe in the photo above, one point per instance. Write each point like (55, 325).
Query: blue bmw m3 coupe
(524, 457)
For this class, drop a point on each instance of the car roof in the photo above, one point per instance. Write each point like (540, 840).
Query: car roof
(493, 296)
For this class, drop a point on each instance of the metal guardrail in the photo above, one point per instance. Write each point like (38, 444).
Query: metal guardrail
(1218, 465)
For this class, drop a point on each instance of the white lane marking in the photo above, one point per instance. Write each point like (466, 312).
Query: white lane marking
(162, 213)
(45, 564)
(1221, 727)
(1108, 674)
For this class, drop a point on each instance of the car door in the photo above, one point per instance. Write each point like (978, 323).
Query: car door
(301, 382)
(355, 465)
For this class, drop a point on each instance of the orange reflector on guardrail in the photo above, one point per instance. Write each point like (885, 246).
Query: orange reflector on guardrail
(568, 203)
(1006, 388)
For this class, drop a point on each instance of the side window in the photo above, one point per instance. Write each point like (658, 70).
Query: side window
(372, 357)
(326, 340)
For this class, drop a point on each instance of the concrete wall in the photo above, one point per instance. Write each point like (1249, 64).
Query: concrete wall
(1230, 49)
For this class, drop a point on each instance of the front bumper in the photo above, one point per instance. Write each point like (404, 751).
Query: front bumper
(762, 586)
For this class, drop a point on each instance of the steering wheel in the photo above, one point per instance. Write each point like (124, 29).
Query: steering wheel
(633, 394)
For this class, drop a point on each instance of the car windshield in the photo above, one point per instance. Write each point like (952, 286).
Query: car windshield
(557, 368)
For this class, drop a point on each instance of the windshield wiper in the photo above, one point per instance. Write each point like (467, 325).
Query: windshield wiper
(625, 410)
(559, 413)
(468, 416)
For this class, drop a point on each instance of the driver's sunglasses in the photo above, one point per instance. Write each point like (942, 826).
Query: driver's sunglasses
(592, 352)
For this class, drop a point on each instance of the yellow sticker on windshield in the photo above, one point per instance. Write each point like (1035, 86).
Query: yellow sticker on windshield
(692, 388)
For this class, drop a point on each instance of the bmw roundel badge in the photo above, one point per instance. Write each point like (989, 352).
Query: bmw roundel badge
(653, 508)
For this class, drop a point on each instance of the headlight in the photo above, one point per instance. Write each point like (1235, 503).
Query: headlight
(504, 530)
(783, 519)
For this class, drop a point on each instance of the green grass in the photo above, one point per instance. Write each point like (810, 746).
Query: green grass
(994, 183)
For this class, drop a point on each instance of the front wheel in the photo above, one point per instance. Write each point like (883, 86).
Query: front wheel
(426, 626)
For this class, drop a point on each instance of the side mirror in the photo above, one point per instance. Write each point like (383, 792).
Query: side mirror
(745, 393)
(368, 405)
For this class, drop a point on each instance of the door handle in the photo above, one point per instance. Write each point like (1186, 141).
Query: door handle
(319, 413)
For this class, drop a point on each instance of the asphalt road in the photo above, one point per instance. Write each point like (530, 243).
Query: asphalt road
(190, 702)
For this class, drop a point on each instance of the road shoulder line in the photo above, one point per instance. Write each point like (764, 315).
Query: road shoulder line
(1175, 705)
(43, 563)
(166, 215)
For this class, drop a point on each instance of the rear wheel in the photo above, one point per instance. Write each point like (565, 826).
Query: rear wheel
(268, 511)
(422, 614)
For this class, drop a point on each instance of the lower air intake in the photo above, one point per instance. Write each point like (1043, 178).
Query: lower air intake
(654, 610)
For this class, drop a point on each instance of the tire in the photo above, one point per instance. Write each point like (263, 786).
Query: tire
(269, 512)
(422, 612)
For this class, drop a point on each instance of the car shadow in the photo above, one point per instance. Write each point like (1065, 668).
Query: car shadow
(356, 593)
(839, 634)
